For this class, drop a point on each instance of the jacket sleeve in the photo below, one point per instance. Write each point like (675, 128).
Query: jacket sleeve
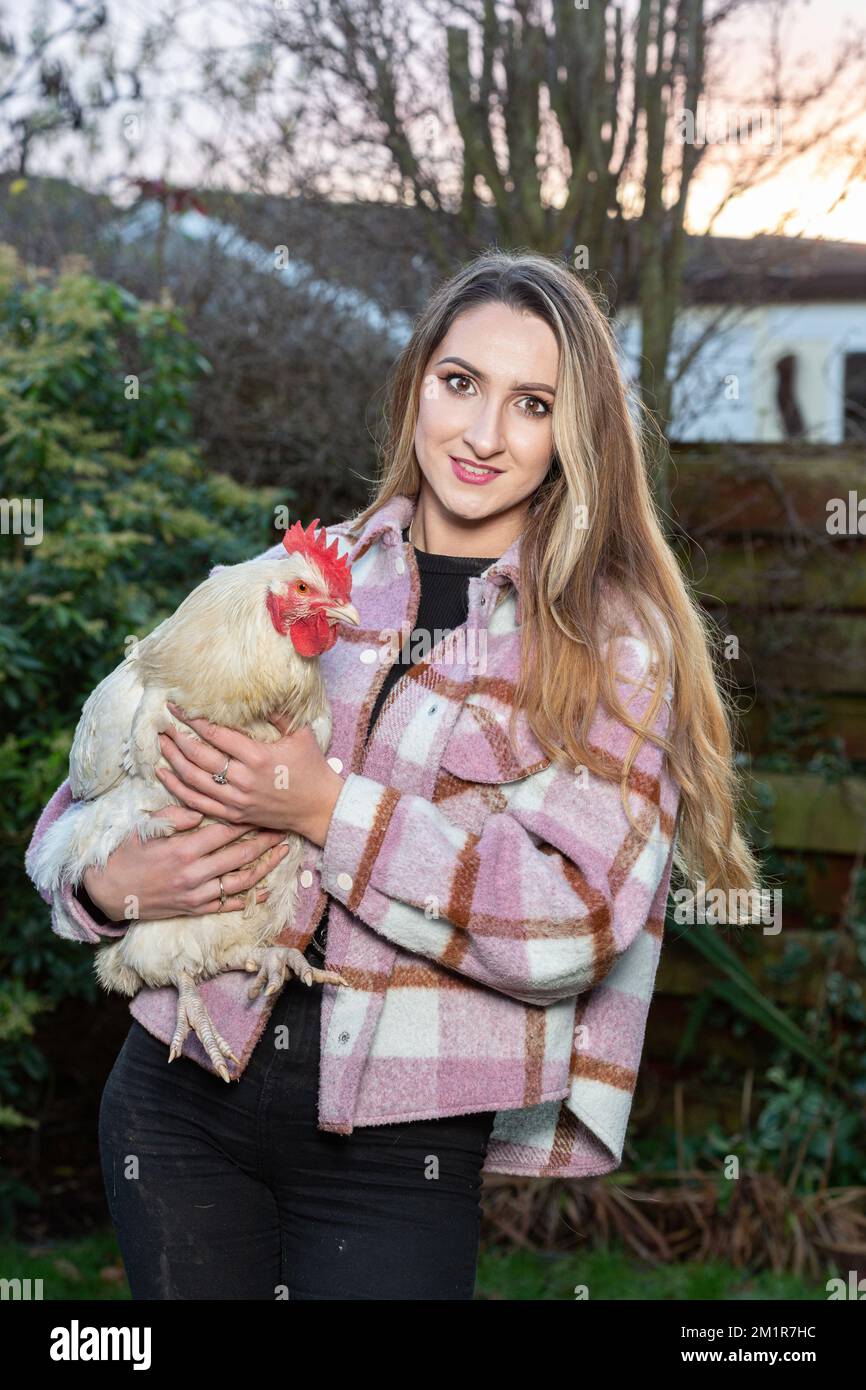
(543, 902)
(69, 917)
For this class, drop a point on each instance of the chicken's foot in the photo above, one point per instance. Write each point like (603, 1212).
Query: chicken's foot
(274, 963)
(192, 1014)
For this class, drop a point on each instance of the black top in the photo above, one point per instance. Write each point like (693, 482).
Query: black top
(443, 605)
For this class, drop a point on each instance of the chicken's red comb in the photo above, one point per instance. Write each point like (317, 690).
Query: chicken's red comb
(334, 566)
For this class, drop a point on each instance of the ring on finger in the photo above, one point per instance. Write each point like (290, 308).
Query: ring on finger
(222, 895)
(222, 775)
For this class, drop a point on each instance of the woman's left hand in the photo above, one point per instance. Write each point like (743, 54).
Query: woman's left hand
(287, 785)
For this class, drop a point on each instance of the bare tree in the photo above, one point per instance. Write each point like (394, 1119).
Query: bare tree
(567, 126)
(60, 74)
(562, 125)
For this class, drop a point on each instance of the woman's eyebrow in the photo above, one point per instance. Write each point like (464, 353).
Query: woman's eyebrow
(517, 385)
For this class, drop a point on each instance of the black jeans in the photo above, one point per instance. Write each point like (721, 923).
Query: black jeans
(230, 1191)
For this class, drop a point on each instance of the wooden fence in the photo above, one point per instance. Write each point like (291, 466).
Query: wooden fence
(793, 594)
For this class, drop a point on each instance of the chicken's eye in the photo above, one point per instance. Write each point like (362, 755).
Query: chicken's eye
(301, 587)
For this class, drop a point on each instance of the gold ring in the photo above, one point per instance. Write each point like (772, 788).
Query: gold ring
(222, 894)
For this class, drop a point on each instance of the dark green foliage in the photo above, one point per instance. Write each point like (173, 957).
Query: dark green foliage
(131, 520)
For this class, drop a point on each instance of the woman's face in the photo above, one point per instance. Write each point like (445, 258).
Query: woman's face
(484, 439)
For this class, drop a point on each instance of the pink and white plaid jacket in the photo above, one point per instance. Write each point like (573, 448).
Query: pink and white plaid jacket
(497, 917)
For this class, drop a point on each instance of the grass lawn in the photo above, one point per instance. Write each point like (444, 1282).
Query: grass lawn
(521, 1274)
(88, 1268)
(91, 1269)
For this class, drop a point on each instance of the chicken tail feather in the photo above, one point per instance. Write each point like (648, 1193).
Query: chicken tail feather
(113, 974)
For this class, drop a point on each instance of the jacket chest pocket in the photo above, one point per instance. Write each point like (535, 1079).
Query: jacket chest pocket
(479, 749)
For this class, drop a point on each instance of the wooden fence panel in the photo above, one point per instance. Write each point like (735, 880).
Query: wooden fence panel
(769, 572)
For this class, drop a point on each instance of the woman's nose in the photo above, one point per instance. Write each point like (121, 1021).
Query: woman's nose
(484, 431)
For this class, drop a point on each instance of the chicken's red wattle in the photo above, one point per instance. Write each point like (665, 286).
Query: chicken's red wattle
(314, 635)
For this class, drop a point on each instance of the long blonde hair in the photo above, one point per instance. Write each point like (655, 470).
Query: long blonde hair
(569, 571)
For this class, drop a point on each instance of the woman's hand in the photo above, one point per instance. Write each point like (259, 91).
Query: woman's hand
(178, 875)
(286, 785)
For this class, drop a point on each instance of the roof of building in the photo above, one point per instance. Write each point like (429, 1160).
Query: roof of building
(381, 250)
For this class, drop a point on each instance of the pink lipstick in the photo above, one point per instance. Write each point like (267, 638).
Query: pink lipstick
(473, 473)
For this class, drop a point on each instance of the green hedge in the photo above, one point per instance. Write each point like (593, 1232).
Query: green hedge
(95, 390)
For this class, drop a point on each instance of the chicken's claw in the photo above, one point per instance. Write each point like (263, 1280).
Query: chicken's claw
(274, 963)
(192, 1014)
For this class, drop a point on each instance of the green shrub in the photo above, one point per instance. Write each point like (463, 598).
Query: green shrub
(95, 390)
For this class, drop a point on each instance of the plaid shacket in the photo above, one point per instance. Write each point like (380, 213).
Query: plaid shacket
(498, 918)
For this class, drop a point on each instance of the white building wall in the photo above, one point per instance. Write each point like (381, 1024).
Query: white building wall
(728, 389)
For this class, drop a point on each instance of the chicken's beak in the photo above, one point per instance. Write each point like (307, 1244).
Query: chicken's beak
(344, 613)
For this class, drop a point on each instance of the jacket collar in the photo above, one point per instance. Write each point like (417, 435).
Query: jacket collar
(390, 520)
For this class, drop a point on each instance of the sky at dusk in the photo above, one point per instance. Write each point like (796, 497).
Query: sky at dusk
(808, 198)
(811, 198)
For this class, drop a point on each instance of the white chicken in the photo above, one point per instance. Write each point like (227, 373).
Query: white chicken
(243, 645)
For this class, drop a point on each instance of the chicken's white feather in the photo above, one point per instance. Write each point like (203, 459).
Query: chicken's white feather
(96, 759)
(218, 656)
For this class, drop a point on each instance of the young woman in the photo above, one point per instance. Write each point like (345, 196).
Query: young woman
(490, 838)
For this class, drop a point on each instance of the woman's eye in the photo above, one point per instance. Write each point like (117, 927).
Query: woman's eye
(538, 408)
(456, 376)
